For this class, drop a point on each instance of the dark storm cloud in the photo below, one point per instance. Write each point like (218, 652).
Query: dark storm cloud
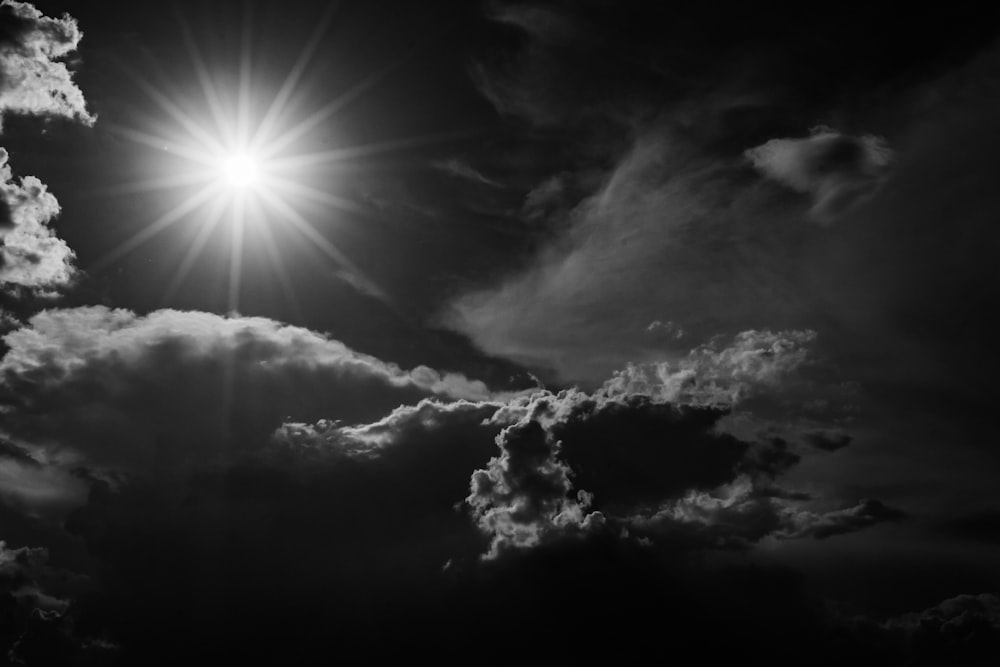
(325, 524)
(361, 528)
(837, 170)
(338, 523)
(32, 78)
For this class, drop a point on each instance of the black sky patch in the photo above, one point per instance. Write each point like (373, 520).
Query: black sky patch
(639, 452)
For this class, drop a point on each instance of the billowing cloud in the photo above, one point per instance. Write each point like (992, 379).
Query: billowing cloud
(836, 169)
(558, 491)
(576, 464)
(523, 495)
(31, 255)
(107, 387)
(373, 512)
(720, 372)
(32, 79)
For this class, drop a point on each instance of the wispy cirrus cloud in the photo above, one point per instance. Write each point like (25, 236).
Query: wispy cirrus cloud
(837, 170)
(464, 170)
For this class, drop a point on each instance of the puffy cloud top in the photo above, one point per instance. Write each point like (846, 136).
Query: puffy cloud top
(32, 80)
(31, 255)
(117, 387)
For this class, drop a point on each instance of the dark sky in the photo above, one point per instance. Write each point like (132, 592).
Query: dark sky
(548, 331)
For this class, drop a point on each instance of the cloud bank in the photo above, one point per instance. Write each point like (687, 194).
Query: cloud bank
(113, 388)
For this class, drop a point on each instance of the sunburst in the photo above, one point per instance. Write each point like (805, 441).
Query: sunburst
(237, 166)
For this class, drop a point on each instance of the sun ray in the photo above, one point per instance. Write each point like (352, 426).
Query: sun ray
(195, 130)
(278, 264)
(155, 227)
(154, 184)
(243, 102)
(337, 104)
(236, 254)
(195, 249)
(366, 150)
(204, 79)
(319, 241)
(281, 100)
(315, 195)
(192, 153)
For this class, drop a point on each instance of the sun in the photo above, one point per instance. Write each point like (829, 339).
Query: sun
(239, 164)
(241, 171)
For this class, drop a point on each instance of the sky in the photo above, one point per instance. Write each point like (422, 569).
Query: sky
(498, 331)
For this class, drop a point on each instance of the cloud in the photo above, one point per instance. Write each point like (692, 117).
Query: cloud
(35, 600)
(575, 464)
(101, 387)
(460, 169)
(744, 512)
(28, 579)
(839, 171)
(32, 80)
(356, 527)
(360, 524)
(960, 630)
(866, 513)
(332, 439)
(523, 496)
(31, 256)
(719, 373)
(662, 236)
(325, 523)
(35, 487)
